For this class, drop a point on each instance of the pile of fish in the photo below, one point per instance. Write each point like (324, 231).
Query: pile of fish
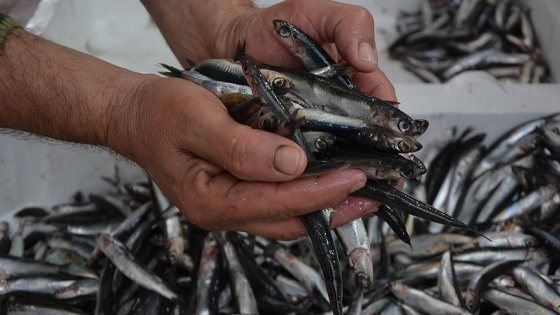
(510, 191)
(130, 251)
(447, 37)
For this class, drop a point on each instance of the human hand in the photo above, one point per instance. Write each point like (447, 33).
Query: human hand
(222, 175)
(346, 32)
(200, 29)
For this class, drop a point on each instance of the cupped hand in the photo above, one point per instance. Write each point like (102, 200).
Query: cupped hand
(223, 175)
(346, 31)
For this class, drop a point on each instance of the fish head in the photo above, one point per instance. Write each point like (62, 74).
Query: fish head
(321, 144)
(289, 35)
(406, 145)
(421, 125)
(418, 168)
(406, 172)
(282, 28)
(281, 85)
(406, 127)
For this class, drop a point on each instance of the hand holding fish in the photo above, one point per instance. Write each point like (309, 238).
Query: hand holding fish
(198, 30)
(221, 174)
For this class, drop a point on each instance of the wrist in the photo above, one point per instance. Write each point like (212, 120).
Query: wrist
(121, 110)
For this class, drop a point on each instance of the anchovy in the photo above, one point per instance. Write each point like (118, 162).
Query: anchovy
(117, 253)
(376, 307)
(328, 96)
(509, 140)
(278, 82)
(515, 304)
(527, 203)
(311, 54)
(376, 165)
(447, 281)
(246, 301)
(356, 243)
(267, 291)
(542, 291)
(483, 278)
(319, 141)
(314, 222)
(394, 220)
(309, 278)
(423, 301)
(431, 271)
(207, 277)
(14, 267)
(532, 255)
(506, 239)
(130, 222)
(57, 288)
(399, 200)
(176, 243)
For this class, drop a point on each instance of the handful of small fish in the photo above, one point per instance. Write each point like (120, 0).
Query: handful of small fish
(447, 37)
(131, 252)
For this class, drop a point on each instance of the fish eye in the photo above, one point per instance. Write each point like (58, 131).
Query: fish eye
(279, 82)
(367, 134)
(403, 146)
(284, 31)
(321, 144)
(404, 126)
(406, 172)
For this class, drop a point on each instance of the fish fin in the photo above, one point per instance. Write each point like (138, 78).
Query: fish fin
(173, 72)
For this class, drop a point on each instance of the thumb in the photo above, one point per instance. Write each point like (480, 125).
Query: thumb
(350, 27)
(246, 153)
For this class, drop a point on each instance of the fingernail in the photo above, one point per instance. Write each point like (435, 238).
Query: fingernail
(286, 160)
(367, 53)
(362, 179)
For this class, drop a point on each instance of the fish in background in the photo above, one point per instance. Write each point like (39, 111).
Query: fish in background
(445, 38)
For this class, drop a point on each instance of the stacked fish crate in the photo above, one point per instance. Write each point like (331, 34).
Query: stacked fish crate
(41, 174)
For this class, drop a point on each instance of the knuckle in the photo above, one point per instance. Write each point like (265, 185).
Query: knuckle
(240, 159)
(361, 16)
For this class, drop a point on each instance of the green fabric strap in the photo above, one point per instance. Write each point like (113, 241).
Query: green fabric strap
(7, 24)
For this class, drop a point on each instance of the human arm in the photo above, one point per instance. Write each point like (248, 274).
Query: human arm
(175, 130)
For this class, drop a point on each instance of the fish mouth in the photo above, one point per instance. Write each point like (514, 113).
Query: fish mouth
(360, 260)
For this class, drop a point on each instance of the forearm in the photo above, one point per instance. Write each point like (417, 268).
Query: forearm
(206, 23)
(54, 91)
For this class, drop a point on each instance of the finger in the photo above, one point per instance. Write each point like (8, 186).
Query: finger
(376, 83)
(244, 152)
(284, 230)
(350, 27)
(350, 209)
(228, 200)
(344, 212)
